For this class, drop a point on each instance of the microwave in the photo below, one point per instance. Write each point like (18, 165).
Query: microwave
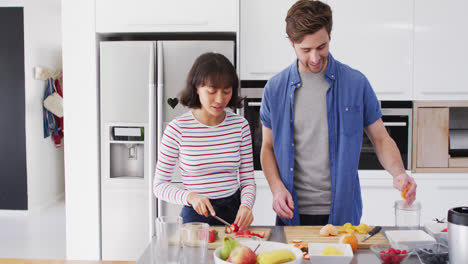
(396, 115)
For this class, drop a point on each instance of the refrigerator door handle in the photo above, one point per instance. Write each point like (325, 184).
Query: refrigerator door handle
(160, 100)
(160, 88)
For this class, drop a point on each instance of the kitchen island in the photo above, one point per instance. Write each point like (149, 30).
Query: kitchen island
(361, 256)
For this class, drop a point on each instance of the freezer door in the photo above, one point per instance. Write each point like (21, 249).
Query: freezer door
(127, 205)
(179, 57)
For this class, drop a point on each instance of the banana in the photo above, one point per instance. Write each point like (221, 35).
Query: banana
(275, 257)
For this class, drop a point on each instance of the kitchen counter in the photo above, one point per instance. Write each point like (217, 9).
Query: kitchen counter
(361, 256)
(41, 261)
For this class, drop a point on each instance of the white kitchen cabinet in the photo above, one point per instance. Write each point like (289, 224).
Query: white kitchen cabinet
(166, 16)
(264, 47)
(263, 207)
(376, 38)
(440, 54)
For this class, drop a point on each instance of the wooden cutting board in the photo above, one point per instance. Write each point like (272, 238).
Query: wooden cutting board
(310, 234)
(221, 234)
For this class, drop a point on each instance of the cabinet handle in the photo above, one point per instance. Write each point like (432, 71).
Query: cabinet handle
(254, 103)
(394, 123)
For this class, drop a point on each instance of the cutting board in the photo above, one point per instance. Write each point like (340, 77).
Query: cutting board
(221, 234)
(310, 234)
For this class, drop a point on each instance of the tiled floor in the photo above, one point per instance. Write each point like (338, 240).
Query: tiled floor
(36, 236)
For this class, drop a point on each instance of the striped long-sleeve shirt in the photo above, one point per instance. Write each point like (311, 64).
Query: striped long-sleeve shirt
(214, 160)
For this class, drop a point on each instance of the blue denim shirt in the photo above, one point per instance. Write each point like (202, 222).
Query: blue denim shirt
(351, 106)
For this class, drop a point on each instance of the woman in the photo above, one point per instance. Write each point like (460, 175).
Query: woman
(213, 147)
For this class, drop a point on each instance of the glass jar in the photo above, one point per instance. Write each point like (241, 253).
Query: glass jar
(407, 216)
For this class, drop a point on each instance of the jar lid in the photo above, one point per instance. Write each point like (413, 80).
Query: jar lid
(458, 216)
(400, 205)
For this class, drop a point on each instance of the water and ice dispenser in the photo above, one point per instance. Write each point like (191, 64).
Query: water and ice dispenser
(127, 152)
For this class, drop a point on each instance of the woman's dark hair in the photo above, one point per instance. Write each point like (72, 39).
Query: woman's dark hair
(307, 17)
(215, 70)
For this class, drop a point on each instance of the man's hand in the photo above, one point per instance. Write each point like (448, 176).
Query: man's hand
(244, 217)
(400, 182)
(201, 204)
(283, 203)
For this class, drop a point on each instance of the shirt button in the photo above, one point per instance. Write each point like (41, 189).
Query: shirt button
(291, 169)
(346, 109)
(299, 85)
(291, 96)
(292, 82)
(292, 144)
(333, 76)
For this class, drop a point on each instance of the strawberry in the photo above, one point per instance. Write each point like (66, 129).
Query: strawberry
(228, 229)
(234, 227)
(259, 234)
(212, 236)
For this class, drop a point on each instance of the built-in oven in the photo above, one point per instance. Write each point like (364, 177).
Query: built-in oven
(251, 112)
(397, 118)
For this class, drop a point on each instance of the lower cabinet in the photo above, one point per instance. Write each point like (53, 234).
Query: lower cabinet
(263, 207)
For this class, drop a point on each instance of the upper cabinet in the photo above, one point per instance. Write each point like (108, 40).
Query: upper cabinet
(166, 16)
(376, 38)
(264, 47)
(440, 50)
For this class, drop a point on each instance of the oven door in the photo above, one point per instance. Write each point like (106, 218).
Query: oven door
(251, 112)
(398, 123)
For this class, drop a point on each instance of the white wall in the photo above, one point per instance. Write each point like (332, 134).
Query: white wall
(42, 46)
(81, 130)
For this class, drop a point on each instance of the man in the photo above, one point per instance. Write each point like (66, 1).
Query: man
(313, 115)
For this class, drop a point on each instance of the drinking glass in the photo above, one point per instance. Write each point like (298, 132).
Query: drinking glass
(194, 243)
(407, 217)
(167, 249)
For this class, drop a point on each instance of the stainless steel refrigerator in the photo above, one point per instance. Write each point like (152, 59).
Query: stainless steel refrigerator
(136, 80)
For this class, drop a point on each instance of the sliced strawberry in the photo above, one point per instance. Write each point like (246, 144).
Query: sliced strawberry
(259, 234)
(234, 227)
(241, 233)
(228, 229)
(247, 232)
(444, 230)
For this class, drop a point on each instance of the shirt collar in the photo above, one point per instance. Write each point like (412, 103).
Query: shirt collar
(329, 72)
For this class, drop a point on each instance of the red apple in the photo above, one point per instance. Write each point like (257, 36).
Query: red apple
(242, 255)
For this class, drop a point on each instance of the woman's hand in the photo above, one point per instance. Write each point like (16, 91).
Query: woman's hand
(201, 204)
(244, 217)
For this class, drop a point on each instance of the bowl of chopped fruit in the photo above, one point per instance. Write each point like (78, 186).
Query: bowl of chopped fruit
(389, 255)
(330, 253)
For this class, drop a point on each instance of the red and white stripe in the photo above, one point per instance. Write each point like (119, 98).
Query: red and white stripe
(214, 161)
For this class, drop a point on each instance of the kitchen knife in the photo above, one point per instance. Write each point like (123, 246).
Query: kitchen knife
(222, 220)
(374, 231)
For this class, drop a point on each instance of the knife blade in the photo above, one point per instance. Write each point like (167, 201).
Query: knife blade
(222, 220)
(374, 231)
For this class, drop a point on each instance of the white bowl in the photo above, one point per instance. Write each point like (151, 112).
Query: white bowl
(409, 239)
(315, 253)
(435, 230)
(265, 246)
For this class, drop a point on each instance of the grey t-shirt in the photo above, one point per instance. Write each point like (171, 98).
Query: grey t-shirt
(311, 157)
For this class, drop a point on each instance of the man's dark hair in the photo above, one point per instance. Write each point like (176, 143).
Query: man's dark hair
(307, 17)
